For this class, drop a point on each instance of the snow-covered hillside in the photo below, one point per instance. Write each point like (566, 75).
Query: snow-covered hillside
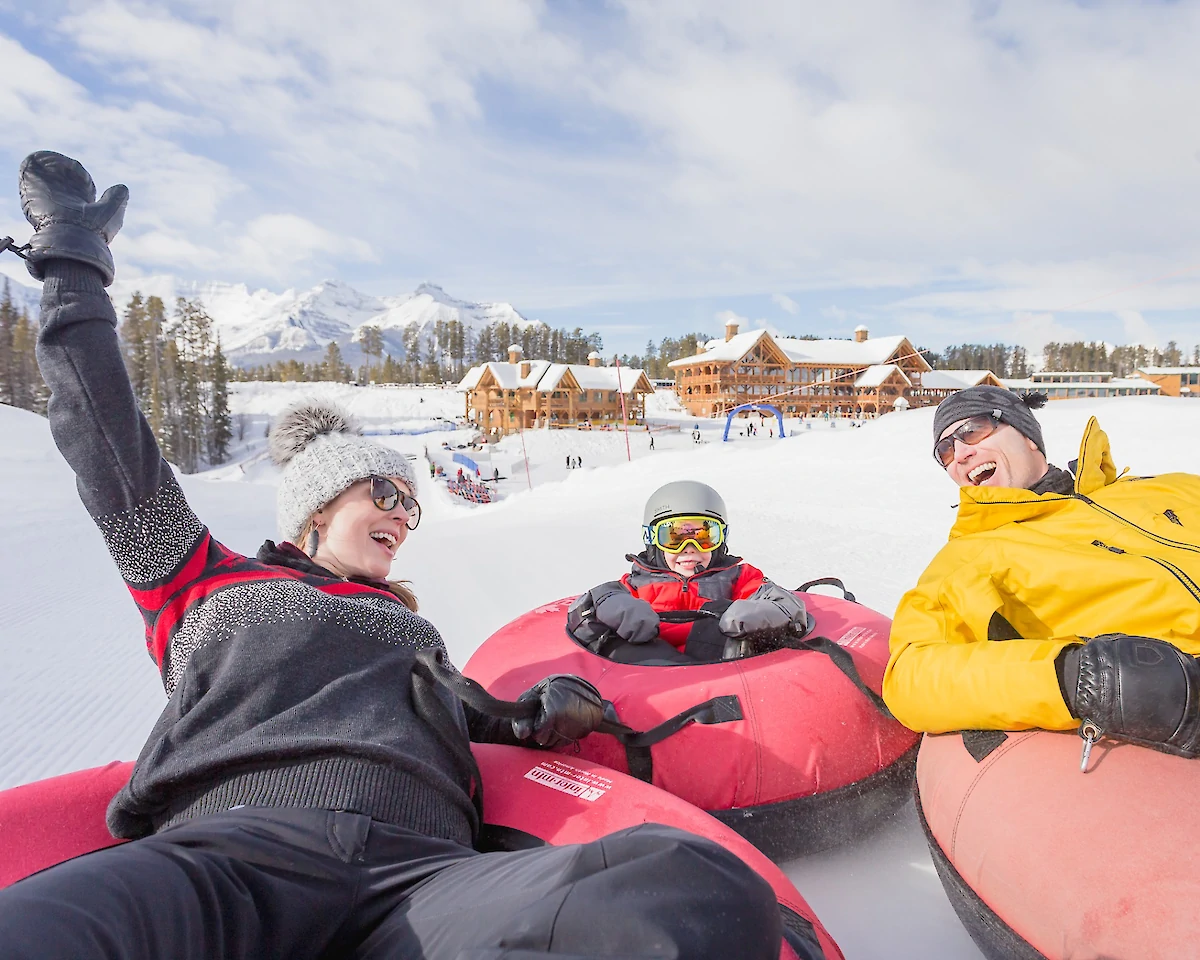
(867, 505)
(259, 326)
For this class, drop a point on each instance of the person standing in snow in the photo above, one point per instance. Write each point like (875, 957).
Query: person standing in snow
(686, 565)
(1065, 598)
(651, 441)
(309, 789)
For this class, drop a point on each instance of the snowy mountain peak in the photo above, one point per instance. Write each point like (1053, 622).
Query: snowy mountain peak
(261, 326)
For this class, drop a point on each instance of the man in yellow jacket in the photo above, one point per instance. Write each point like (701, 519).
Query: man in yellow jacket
(1060, 601)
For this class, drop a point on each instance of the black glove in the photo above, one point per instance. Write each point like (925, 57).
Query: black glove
(1136, 689)
(59, 198)
(772, 611)
(569, 708)
(611, 606)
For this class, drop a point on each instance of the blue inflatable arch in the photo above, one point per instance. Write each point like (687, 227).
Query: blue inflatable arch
(753, 407)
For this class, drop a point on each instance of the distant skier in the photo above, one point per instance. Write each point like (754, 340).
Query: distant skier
(686, 565)
(651, 441)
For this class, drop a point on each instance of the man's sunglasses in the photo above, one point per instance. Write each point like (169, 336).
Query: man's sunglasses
(970, 433)
(385, 495)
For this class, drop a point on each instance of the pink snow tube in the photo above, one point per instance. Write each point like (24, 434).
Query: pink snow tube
(1043, 862)
(787, 750)
(530, 797)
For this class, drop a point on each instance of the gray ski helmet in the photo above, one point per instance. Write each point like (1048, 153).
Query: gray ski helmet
(683, 497)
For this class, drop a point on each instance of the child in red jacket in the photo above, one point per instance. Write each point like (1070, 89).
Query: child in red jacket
(686, 566)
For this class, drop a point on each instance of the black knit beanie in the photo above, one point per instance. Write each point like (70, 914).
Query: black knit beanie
(1015, 409)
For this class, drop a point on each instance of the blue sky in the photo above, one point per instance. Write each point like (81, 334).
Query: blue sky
(955, 171)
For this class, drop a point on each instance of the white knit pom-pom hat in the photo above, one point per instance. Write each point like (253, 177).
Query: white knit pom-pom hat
(322, 451)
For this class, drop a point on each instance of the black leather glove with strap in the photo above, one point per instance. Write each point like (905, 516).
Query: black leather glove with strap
(611, 607)
(59, 198)
(1136, 689)
(569, 708)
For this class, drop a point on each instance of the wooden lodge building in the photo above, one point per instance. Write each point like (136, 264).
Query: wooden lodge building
(502, 398)
(1173, 381)
(862, 377)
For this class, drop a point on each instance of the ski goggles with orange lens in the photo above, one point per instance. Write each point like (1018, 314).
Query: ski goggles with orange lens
(386, 495)
(675, 533)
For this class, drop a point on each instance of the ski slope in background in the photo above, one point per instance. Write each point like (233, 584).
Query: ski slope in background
(867, 505)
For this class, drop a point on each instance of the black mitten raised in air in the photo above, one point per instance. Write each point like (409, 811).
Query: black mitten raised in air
(1137, 689)
(59, 198)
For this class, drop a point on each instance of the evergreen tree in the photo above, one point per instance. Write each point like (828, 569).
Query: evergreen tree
(156, 414)
(220, 426)
(333, 367)
(8, 360)
(371, 340)
(138, 342)
(193, 338)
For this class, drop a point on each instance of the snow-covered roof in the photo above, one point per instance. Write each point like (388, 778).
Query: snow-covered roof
(726, 351)
(875, 375)
(552, 377)
(1102, 386)
(1167, 371)
(953, 379)
(605, 378)
(472, 378)
(835, 353)
(507, 375)
(545, 376)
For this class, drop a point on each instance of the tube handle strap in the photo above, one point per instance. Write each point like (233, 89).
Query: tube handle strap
(827, 582)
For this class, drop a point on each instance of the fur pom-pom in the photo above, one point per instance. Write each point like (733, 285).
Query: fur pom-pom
(298, 426)
(1034, 399)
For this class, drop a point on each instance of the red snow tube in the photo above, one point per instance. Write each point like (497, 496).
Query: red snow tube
(1043, 862)
(785, 749)
(530, 797)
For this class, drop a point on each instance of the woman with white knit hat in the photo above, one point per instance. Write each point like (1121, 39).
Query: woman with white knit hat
(308, 791)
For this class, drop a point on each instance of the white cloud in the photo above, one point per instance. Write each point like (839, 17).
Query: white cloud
(981, 160)
(1137, 328)
(785, 303)
(275, 244)
(1034, 330)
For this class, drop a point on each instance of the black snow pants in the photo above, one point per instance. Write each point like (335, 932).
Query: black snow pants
(255, 883)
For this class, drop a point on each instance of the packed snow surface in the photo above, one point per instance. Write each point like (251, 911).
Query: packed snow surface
(867, 505)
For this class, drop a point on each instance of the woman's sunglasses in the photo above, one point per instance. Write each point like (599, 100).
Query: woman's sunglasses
(385, 495)
(970, 433)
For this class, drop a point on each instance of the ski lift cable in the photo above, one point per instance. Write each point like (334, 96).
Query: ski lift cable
(791, 391)
(624, 417)
(1132, 286)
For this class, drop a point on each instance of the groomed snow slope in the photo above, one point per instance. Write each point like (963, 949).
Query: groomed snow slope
(867, 505)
